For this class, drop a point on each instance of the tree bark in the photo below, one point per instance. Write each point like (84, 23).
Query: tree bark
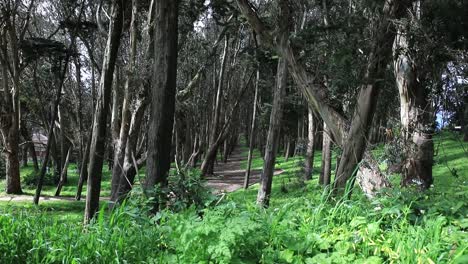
(274, 130)
(208, 162)
(50, 136)
(162, 94)
(84, 167)
(63, 173)
(119, 150)
(252, 132)
(309, 161)
(415, 115)
(30, 145)
(325, 174)
(97, 148)
(353, 142)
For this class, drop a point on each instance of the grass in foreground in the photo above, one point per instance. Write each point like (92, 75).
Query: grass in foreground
(303, 225)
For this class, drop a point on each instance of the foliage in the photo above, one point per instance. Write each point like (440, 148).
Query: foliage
(31, 177)
(303, 225)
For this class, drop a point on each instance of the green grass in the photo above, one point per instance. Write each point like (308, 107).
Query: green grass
(303, 225)
(68, 190)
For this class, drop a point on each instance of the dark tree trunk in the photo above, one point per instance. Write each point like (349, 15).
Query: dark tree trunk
(274, 130)
(162, 94)
(50, 136)
(97, 149)
(309, 161)
(84, 168)
(465, 119)
(30, 145)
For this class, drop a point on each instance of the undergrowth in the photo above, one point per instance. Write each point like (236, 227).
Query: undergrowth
(303, 225)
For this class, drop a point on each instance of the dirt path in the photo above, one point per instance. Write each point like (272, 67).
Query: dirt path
(29, 198)
(229, 176)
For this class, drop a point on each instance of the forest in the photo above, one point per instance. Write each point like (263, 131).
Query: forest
(234, 131)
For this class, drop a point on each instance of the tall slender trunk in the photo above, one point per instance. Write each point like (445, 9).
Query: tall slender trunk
(162, 94)
(274, 129)
(309, 162)
(415, 114)
(97, 148)
(84, 167)
(25, 133)
(271, 148)
(325, 174)
(63, 173)
(50, 136)
(119, 150)
(465, 119)
(252, 132)
(208, 163)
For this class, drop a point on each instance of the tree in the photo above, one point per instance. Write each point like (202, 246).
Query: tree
(271, 148)
(97, 147)
(162, 94)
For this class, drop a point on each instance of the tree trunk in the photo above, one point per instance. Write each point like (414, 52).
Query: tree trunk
(129, 170)
(415, 114)
(30, 145)
(274, 130)
(97, 149)
(252, 132)
(63, 173)
(465, 118)
(119, 150)
(50, 135)
(9, 126)
(353, 142)
(162, 94)
(208, 162)
(84, 167)
(325, 174)
(309, 161)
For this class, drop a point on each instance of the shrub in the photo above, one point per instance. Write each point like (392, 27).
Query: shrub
(31, 178)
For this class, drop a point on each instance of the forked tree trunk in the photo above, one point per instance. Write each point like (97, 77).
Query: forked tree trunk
(129, 170)
(120, 145)
(309, 161)
(97, 149)
(353, 142)
(163, 93)
(416, 116)
(325, 174)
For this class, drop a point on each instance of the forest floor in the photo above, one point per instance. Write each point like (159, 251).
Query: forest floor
(303, 224)
(229, 176)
